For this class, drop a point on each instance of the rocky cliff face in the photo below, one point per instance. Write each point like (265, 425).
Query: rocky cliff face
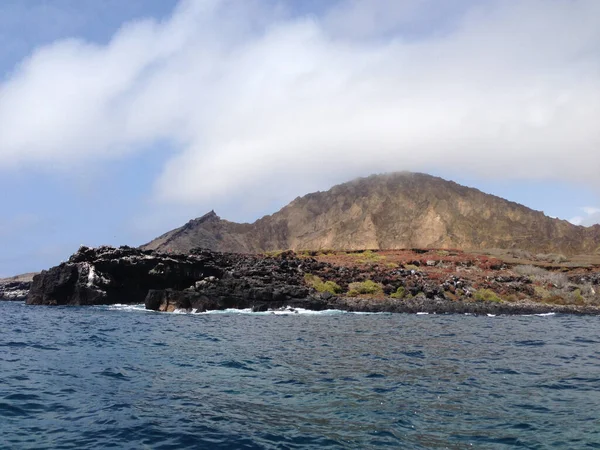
(203, 279)
(401, 210)
(15, 288)
(107, 275)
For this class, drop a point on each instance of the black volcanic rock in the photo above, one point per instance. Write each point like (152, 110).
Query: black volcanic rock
(201, 279)
(205, 280)
(108, 275)
(15, 288)
(247, 281)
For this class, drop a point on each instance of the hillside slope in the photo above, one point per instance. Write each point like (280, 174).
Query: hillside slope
(391, 211)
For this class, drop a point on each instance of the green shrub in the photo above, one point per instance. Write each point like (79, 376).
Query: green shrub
(510, 298)
(411, 267)
(391, 265)
(366, 287)
(331, 287)
(576, 297)
(400, 293)
(486, 295)
(273, 253)
(325, 252)
(320, 286)
(542, 292)
(556, 300)
(369, 256)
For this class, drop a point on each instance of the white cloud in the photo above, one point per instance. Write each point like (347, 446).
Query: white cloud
(577, 220)
(590, 210)
(255, 98)
(591, 217)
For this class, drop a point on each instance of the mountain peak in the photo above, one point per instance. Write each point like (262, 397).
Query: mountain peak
(389, 211)
(210, 216)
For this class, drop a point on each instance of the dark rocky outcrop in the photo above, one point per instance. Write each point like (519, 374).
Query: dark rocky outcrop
(246, 281)
(205, 280)
(108, 275)
(169, 301)
(15, 288)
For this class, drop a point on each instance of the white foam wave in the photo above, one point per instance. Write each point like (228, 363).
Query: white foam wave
(278, 312)
(123, 307)
(288, 311)
(225, 311)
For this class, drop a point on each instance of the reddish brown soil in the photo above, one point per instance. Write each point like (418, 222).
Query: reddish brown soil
(451, 268)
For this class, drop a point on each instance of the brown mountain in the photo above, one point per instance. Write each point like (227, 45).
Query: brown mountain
(393, 211)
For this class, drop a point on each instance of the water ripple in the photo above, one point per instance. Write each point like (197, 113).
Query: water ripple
(120, 377)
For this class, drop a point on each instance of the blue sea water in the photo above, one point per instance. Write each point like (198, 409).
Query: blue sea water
(122, 377)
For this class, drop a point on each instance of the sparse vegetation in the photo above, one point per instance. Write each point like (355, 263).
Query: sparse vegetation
(364, 288)
(576, 297)
(400, 293)
(510, 298)
(587, 290)
(322, 286)
(314, 253)
(369, 256)
(551, 258)
(274, 253)
(486, 295)
(556, 300)
(520, 254)
(529, 270)
(543, 276)
(542, 292)
(461, 275)
(555, 287)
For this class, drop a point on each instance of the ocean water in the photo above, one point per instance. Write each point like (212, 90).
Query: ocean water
(123, 377)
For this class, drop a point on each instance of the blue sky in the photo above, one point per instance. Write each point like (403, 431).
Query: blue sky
(120, 120)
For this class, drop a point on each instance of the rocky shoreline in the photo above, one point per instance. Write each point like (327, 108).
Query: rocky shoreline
(16, 288)
(204, 280)
(170, 301)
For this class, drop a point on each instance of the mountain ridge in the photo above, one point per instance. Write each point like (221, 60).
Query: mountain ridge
(388, 211)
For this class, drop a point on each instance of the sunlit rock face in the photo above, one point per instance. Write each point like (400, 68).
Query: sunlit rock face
(393, 211)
